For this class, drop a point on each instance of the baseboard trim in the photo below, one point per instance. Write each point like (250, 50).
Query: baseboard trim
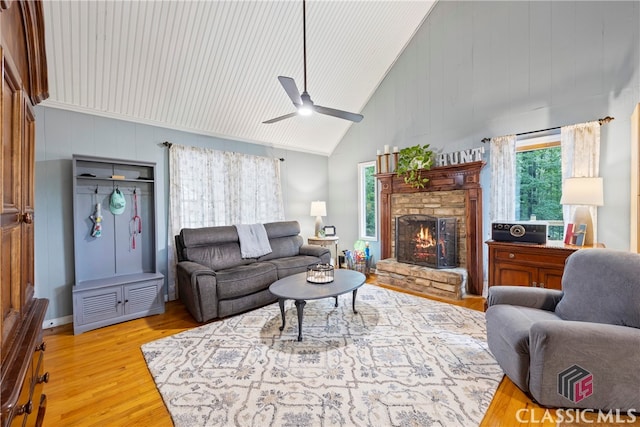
(52, 323)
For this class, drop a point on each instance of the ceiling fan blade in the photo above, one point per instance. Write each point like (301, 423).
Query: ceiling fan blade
(277, 119)
(338, 113)
(290, 87)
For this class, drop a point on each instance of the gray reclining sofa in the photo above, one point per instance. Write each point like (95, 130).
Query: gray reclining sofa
(215, 281)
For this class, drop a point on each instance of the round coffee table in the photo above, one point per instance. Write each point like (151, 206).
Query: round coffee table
(297, 288)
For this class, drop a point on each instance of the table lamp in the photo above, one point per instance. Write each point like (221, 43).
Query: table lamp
(318, 209)
(583, 192)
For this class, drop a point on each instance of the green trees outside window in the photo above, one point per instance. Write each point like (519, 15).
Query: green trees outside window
(539, 186)
(368, 201)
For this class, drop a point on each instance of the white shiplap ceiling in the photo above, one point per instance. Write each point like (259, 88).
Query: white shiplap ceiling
(211, 67)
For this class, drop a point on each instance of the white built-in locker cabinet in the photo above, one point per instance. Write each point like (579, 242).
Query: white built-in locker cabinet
(115, 280)
(634, 245)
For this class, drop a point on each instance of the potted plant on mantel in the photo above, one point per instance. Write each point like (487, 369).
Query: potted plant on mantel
(412, 161)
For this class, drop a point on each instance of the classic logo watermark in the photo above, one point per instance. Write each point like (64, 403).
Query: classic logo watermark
(575, 383)
(579, 416)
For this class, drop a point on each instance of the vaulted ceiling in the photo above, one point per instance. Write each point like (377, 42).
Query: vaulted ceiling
(211, 67)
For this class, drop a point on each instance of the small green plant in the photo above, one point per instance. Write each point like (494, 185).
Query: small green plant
(412, 161)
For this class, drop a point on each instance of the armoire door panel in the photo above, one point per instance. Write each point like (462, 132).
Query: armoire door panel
(10, 210)
(28, 157)
(11, 142)
(27, 169)
(10, 277)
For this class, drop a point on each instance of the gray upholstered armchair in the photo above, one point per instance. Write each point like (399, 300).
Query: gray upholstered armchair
(575, 348)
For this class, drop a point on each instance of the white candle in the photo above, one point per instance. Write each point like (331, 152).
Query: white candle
(386, 149)
(395, 149)
(378, 152)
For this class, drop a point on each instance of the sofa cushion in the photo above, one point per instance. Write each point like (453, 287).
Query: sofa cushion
(601, 286)
(510, 346)
(293, 265)
(206, 236)
(217, 257)
(283, 247)
(245, 279)
(282, 229)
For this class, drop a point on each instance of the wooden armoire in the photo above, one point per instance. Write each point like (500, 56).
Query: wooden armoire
(24, 84)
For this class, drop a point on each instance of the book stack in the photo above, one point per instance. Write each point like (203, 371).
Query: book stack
(575, 234)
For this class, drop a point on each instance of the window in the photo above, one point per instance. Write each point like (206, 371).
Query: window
(367, 201)
(539, 182)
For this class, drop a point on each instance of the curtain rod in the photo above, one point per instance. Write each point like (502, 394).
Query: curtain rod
(169, 144)
(602, 121)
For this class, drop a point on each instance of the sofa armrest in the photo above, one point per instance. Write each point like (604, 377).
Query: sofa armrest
(314, 250)
(524, 296)
(609, 353)
(193, 269)
(197, 286)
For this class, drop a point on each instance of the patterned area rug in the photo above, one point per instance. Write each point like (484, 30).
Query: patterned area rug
(402, 360)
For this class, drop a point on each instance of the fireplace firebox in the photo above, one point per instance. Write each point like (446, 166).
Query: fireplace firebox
(426, 240)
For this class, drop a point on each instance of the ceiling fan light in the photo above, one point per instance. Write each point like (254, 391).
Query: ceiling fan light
(305, 110)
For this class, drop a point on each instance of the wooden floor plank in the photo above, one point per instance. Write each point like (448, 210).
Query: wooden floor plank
(100, 378)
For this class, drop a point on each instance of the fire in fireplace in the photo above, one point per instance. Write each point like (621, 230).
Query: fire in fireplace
(426, 240)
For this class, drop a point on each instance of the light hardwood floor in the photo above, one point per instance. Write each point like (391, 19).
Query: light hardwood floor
(99, 378)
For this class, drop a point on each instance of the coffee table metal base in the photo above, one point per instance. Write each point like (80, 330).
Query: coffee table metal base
(300, 310)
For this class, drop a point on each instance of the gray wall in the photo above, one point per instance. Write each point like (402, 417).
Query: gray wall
(61, 133)
(483, 69)
(473, 70)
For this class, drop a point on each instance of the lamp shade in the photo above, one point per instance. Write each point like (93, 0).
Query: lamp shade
(318, 208)
(582, 191)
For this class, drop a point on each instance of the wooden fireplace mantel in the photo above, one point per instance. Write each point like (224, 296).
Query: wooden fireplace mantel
(465, 177)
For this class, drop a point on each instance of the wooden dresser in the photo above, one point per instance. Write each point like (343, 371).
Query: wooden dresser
(24, 84)
(529, 264)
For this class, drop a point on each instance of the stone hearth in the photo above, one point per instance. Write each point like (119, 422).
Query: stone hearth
(447, 283)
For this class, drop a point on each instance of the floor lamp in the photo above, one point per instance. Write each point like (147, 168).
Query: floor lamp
(583, 192)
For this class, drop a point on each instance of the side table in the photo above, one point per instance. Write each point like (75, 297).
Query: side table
(327, 241)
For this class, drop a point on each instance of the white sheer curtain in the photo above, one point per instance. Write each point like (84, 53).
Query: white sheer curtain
(580, 147)
(503, 178)
(209, 187)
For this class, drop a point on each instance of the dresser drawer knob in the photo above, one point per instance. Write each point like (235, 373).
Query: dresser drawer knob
(27, 408)
(41, 347)
(512, 255)
(44, 378)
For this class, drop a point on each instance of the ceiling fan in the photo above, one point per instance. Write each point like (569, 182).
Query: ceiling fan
(302, 101)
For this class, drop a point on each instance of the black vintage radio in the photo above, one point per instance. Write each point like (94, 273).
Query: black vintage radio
(530, 232)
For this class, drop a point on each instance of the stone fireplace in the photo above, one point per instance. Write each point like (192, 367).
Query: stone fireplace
(452, 193)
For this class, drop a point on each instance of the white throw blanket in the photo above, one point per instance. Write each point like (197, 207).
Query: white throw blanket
(253, 240)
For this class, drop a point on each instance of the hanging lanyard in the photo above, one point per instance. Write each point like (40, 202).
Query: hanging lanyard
(136, 222)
